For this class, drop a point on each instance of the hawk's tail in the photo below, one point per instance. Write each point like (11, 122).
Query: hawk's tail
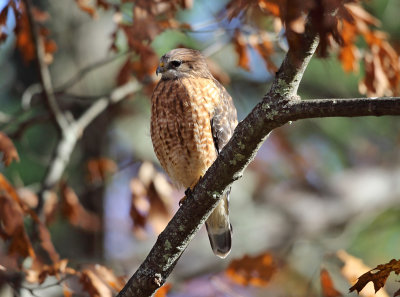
(219, 229)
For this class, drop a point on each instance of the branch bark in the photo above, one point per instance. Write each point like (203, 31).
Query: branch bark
(278, 107)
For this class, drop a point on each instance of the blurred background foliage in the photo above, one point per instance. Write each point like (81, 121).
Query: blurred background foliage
(315, 187)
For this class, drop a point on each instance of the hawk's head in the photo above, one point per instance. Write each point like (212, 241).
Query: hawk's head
(183, 62)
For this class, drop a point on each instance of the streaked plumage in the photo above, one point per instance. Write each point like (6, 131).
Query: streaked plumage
(192, 118)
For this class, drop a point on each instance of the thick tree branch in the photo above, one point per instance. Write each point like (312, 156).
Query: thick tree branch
(279, 106)
(355, 107)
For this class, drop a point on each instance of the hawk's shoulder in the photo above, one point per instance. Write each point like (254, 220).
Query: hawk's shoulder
(224, 119)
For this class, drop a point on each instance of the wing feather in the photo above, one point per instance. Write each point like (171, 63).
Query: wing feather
(224, 120)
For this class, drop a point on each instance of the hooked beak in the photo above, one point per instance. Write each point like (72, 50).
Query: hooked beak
(160, 68)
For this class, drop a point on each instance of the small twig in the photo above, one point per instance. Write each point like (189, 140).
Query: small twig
(29, 93)
(16, 119)
(85, 70)
(45, 77)
(27, 124)
(36, 89)
(100, 105)
(30, 290)
(55, 284)
(74, 131)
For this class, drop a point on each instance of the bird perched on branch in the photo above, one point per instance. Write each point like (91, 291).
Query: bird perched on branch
(192, 119)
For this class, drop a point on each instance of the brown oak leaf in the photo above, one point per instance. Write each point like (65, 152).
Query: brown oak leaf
(8, 149)
(328, 289)
(252, 270)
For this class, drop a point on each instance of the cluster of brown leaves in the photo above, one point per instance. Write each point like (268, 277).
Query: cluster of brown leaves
(334, 20)
(324, 16)
(15, 207)
(96, 280)
(23, 30)
(258, 271)
(12, 214)
(151, 200)
(260, 42)
(382, 66)
(149, 19)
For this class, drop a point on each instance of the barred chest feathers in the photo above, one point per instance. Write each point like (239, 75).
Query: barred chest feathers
(180, 127)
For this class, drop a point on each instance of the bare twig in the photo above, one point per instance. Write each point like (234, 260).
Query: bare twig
(72, 133)
(23, 126)
(101, 104)
(87, 69)
(278, 107)
(45, 77)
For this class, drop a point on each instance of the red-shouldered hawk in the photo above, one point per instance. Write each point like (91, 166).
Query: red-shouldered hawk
(192, 118)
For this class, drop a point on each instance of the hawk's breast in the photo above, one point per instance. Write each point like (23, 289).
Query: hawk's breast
(181, 127)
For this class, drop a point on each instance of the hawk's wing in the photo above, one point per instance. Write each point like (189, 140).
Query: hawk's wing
(223, 123)
(224, 119)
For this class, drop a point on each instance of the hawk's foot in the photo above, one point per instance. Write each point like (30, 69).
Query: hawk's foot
(182, 200)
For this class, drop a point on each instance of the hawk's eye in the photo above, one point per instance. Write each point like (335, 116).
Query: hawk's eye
(176, 63)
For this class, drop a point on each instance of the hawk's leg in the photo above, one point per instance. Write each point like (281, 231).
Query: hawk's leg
(188, 192)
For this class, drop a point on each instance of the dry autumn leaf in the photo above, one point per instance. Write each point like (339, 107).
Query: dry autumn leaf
(377, 276)
(103, 4)
(98, 169)
(151, 200)
(252, 270)
(45, 241)
(352, 269)
(328, 289)
(9, 189)
(241, 50)
(14, 209)
(265, 48)
(162, 292)
(39, 15)
(38, 272)
(108, 276)
(22, 31)
(94, 285)
(76, 214)
(12, 227)
(85, 6)
(8, 149)
(381, 61)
